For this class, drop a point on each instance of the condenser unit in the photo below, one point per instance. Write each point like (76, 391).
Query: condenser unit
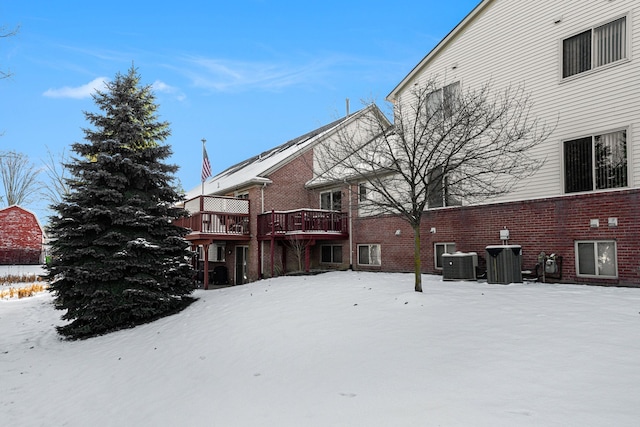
(459, 266)
(504, 264)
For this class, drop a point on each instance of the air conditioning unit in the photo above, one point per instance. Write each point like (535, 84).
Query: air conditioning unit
(459, 266)
(504, 264)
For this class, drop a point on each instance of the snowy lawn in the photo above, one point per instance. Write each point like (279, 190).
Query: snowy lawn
(27, 285)
(337, 349)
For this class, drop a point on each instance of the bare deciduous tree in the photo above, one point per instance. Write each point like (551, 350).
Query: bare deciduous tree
(19, 178)
(299, 247)
(446, 147)
(7, 33)
(56, 169)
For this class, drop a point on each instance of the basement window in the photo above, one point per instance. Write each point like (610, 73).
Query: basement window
(331, 254)
(597, 259)
(442, 248)
(369, 255)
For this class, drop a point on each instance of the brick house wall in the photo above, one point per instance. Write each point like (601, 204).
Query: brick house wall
(551, 225)
(20, 237)
(287, 192)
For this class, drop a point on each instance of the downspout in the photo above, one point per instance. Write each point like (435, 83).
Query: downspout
(350, 216)
(262, 241)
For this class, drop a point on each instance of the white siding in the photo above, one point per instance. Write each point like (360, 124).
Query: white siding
(516, 42)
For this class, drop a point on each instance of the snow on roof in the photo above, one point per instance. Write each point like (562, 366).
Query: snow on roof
(255, 169)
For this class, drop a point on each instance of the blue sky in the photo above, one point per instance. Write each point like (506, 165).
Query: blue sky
(247, 75)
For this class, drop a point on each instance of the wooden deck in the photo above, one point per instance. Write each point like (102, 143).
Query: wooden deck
(303, 223)
(214, 217)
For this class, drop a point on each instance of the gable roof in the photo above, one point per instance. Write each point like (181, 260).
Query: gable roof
(8, 209)
(443, 44)
(256, 169)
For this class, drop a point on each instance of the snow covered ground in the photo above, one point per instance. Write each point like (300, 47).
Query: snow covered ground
(20, 270)
(337, 349)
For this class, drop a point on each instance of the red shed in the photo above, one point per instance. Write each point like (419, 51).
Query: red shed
(21, 236)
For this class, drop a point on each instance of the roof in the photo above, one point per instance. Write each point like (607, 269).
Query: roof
(256, 169)
(439, 47)
(27, 211)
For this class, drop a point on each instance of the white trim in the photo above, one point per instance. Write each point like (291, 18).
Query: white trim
(594, 69)
(370, 245)
(458, 29)
(595, 242)
(435, 256)
(591, 135)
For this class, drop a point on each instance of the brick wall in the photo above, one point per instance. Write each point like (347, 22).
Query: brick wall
(288, 191)
(20, 237)
(550, 225)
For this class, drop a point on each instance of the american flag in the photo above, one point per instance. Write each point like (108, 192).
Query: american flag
(206, 166)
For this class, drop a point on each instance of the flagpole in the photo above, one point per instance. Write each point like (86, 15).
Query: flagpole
(206, 166)
(203, 151)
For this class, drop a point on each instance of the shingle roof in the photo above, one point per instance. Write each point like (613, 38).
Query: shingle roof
(255, 169)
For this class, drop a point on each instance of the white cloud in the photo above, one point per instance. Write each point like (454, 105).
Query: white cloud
(225, 75)
(80, 92)
(160, 86)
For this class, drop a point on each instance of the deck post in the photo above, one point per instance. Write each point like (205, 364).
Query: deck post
(260, 260)
(307, 257)
(273, 238)
(205, 278)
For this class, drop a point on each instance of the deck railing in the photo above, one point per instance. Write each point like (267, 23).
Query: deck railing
(216, 215)
(280, 223)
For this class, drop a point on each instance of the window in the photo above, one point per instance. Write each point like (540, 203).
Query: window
(369, 255)
(216, 252)
(594, 48)
(442, 248)
(596, 162)
(437, 188)
(596, 259)
(450, 96)
(362, 193)
(331, 254)
(331, 200)
(441, 103)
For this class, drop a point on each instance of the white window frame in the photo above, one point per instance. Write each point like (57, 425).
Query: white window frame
(593, 67)
(333, 260)
(215, 252)
(440, 102)
(594, 169)
(448, 248)
(597, 266)
(331, 199)
(362, 192)
(437, 196)
(371, 253)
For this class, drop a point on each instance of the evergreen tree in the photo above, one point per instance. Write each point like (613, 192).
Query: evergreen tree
(118, 261)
